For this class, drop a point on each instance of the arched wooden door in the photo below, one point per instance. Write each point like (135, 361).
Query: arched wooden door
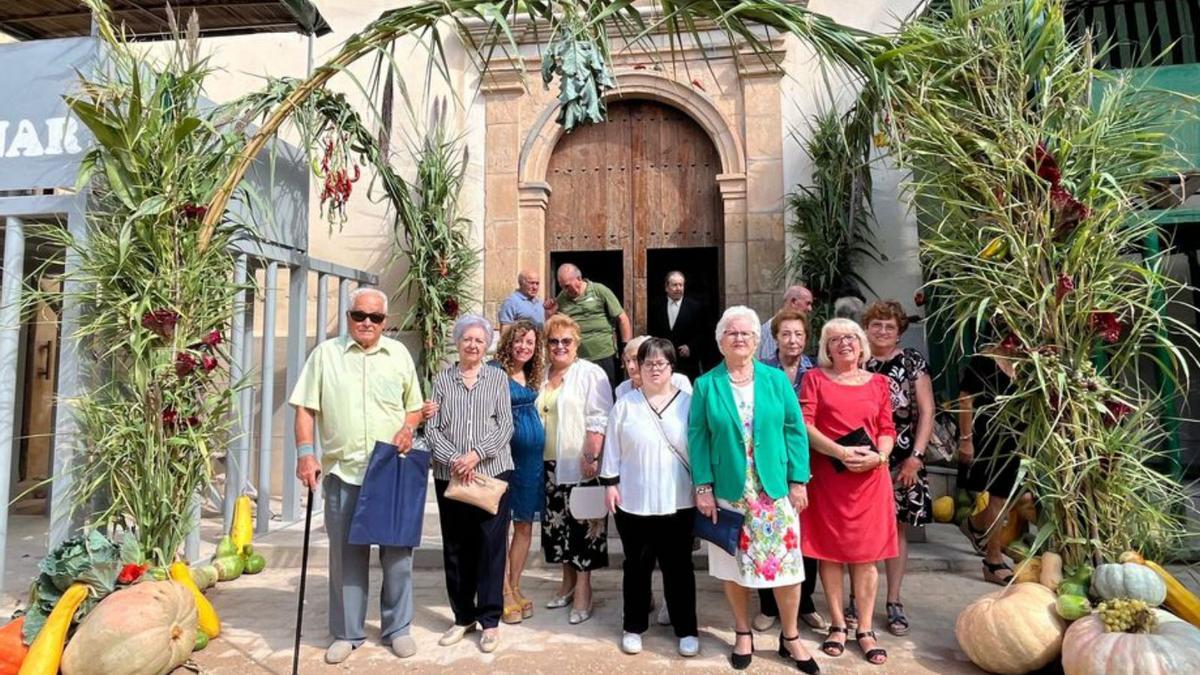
(635, 197)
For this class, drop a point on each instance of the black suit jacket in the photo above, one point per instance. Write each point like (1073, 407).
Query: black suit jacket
(691, 329)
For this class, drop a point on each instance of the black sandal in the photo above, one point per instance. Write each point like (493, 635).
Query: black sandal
(871, 654)
(741, 661)
(851, 613)
(897, 621)
(978, 539)
(808, 665)
(833, 647)
(990, 573)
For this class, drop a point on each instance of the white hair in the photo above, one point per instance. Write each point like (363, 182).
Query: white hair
(849, 307)
(468, 321)
(631, 347)
(846, 326)
(739, 312)
(367, 290)
(572, 271)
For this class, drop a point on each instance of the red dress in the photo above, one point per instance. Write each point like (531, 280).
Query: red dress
(851, 517)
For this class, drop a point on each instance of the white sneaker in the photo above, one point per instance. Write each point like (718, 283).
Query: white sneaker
(664, 617)
(631, 643)
(689, 646)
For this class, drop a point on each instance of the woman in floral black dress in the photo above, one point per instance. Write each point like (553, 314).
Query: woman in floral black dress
(913, 411)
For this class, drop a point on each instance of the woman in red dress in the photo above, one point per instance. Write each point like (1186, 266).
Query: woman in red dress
(851, 516)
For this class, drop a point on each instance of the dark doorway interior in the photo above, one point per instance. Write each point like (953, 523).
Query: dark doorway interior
(702, 270)
(607, 267)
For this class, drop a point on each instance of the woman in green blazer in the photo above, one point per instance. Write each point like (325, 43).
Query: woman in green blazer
(749, 453)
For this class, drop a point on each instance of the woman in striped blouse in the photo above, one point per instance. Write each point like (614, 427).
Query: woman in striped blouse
(470, 434)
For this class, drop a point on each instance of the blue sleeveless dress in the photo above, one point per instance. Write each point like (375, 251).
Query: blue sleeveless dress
(526, 489)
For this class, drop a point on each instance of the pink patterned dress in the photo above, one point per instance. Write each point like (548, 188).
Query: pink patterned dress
(769, 551)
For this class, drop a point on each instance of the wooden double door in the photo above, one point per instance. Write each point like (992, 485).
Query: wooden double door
(634, 198)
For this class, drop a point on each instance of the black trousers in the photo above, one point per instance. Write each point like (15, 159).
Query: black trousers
(474, 543)
(611, 369)
(766, 596)
(666, 540)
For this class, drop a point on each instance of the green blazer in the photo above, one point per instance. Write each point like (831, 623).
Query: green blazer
(715, 439)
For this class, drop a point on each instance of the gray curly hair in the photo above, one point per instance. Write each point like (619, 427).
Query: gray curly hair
(468, 321)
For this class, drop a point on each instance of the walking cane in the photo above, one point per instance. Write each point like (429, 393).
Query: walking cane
(303, 580)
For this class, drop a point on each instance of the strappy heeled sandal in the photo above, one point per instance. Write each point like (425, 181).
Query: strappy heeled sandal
(808, 665)
(741, 661)
(526, 603)
(833, 647)
(871, 655)
(512, 609)
(897, 621)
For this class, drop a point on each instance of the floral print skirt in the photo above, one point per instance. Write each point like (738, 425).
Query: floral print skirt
(768, 554)
(582, 544)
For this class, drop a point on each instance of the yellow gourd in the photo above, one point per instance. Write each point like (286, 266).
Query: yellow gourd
(1180, 600)
(241, 530)
(943, 509)
(207, 620)
(45, 653)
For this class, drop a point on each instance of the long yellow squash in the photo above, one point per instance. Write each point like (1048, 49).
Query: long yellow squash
(241, 530)
(207, 620)
(46, 651)
(1182, 602)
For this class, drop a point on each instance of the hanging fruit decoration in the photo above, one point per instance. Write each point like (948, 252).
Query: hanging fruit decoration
(583, 77)
(339, 173)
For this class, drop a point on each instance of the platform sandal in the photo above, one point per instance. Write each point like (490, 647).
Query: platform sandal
(876, 656)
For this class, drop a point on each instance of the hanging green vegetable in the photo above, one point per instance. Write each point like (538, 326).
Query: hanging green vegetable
(583, 78)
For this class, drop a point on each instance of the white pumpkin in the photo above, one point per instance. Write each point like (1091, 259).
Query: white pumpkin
(146, 629)
(1012, 631)
(1171, 648)
(1129, 580)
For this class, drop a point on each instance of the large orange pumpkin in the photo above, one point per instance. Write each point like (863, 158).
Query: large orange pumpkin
(1012, 631)
(146, 629)
(1170, 648)
(12, 649)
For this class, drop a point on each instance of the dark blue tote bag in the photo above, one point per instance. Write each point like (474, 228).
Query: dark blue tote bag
(391, 502)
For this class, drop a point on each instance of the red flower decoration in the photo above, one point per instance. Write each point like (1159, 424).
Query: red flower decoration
(1117, 411)
(191, 421)
(450, 307)
(744, 541)
(212, 339)
(194, 211)
(1106, 326)
(209, 362)
(1068, 211)
(131, 573)
(1011, 343)
(1045, 165)
(790, 540)
(1065, 285)
(919, 298)
(169, 417)
(185, 363)
(161, 321)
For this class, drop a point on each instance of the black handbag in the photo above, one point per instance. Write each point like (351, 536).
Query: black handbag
(726, 532)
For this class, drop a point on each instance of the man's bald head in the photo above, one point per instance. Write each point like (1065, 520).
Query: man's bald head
(529, 281)
(571, 279)
(798, 298)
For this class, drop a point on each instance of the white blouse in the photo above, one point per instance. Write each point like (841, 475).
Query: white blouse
(679, 380)
(584, 400)
(652, 480)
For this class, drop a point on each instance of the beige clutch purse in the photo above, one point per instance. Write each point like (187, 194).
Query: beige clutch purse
(483, 492)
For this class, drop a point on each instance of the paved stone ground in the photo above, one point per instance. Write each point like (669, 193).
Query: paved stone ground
(258, 613)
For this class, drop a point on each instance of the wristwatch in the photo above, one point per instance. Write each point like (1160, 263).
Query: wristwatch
(703, 489)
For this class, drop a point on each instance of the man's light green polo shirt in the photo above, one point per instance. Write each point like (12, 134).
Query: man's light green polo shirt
(360, 397)
(594, 311)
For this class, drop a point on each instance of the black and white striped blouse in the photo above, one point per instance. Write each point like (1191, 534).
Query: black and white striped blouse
(479, 418)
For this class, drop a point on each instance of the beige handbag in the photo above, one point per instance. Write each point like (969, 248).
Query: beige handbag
(587, 502)
(483, 492)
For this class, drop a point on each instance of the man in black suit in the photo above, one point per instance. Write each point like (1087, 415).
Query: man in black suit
(684, 321)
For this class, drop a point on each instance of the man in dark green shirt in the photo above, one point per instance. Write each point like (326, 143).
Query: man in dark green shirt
(594, 307)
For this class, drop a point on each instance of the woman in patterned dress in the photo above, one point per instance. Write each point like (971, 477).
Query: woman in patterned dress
(749, 453)
(912, 411)
(574, 401)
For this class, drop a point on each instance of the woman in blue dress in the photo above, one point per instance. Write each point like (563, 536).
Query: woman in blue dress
(520, 355)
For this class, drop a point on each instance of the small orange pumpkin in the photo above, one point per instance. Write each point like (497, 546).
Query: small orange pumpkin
(12, 648)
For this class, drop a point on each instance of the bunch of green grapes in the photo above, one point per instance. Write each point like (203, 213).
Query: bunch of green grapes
(1123, 615)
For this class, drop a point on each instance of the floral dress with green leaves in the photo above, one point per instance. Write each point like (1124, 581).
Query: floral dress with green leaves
(769, 549)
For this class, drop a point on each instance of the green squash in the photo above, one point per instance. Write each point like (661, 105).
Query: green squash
(225, 548)
(229, 567)
(1129, 580)
(1070, 587)
(201, 641)
(255, 563)
(1072, 607)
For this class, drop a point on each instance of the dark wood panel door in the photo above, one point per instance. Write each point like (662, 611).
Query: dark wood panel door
(645, 179)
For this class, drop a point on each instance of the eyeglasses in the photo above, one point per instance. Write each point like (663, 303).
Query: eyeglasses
(739, 334)
(358, 316)
(842, 338)
(656, 365)
(560, 342)
(882, 327)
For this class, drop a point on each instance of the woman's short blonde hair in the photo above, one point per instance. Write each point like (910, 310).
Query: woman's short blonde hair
(842, 326)
(631, 347)
(561, 322)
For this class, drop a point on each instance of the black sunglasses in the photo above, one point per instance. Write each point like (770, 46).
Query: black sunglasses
(363, 316)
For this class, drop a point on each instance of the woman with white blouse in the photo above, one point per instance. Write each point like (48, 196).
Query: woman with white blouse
(646, 469)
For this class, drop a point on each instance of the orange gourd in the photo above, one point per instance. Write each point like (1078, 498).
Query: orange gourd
(12, 647)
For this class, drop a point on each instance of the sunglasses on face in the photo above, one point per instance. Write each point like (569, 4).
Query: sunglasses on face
(357, 316)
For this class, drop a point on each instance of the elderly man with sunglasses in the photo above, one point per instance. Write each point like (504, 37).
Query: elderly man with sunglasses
(362, 388)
